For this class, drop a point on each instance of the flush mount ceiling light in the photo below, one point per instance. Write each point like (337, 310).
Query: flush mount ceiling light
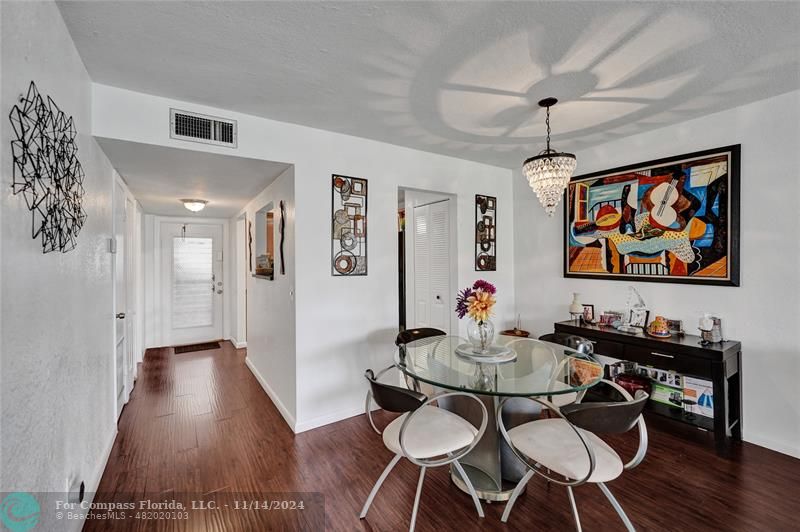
(194, 205)
(549, 172)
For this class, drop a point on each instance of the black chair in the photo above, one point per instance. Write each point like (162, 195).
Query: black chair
(568, 445)
(411, 335)
(578, 343)
(425, 435)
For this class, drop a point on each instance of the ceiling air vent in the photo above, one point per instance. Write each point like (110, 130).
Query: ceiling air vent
(195, 127)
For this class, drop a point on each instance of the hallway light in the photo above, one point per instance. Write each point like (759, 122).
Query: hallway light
(549, 172)
(194, 205)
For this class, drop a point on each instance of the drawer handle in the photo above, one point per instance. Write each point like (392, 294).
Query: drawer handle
(661, 355)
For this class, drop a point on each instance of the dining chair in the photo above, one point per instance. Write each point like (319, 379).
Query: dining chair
(573, 341)
(543, 356)
(426, 435)
(411, 335)
(569, 446)
(405, 337)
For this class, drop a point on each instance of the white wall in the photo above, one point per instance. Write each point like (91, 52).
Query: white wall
(763, 313)
(345, 324)
(56, 353)
(271, 341)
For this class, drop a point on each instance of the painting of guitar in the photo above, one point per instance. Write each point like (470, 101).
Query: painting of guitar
(665, 203)
(674, 219)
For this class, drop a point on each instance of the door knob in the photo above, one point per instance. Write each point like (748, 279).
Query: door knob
(121, 316)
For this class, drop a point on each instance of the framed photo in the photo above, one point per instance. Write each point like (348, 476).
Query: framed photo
(673, 220)
(639, 317)
(588, 312)
(675, 326)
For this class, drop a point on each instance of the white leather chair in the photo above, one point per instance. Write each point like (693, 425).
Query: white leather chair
(425, 435)
(568, 445)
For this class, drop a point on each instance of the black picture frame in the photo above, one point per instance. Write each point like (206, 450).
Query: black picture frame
(734, 204)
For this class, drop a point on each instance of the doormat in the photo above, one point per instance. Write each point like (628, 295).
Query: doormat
(196, 347)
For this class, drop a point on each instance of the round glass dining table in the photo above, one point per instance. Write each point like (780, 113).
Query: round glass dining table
(533, 368)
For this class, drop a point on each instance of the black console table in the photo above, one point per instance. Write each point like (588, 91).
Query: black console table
(720, 363)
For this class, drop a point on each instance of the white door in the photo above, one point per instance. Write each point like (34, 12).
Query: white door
(191, 273)
(432, 266)
(120, 296)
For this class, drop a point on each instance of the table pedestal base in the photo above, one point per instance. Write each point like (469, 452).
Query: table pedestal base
(485, 487)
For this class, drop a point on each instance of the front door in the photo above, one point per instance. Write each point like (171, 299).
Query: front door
(191, 266)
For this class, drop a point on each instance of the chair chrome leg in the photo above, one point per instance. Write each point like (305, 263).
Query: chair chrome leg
(574, 508)
(368, 411)
(378, 484)
(416, 498)
(471, 488)
(617, 507)
(517, 490)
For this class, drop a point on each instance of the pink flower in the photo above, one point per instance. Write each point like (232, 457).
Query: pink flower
(485, 286)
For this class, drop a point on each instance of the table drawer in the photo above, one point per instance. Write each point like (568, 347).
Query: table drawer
(665, 359)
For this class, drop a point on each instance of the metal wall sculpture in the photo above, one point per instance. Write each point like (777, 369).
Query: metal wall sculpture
(281, 230)
(670, 220)
(348, 226)
(46, 170)
(485, 233)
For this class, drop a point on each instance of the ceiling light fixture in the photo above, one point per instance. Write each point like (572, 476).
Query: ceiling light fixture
(194, 205)
(549, 172)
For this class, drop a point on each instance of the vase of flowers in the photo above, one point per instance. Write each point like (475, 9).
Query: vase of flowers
(477, 302)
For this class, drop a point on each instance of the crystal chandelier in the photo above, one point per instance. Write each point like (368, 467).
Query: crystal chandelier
(549, 172)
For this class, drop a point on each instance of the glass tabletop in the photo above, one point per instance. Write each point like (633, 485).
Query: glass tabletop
(538, 369)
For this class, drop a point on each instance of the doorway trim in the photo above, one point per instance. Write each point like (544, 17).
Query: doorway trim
(158, 282)
(132, 249)
(241, 273)
(428, 197)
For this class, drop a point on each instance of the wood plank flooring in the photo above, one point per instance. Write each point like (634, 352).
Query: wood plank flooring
(199, 427)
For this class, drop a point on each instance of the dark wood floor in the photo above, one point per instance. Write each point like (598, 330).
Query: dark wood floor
(199, 427)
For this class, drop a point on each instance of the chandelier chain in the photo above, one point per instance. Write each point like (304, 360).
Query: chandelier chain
(547, 121)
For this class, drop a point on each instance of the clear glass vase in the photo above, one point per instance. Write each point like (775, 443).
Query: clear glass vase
(481, 335)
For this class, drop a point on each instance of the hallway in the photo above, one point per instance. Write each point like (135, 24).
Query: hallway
(200, 428)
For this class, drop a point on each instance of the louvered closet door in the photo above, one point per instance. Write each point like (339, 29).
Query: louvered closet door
(432, 265)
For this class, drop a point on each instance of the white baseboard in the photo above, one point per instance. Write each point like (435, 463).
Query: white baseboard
(781, 447)
(236, 343)
(327, 419)
(287, 416)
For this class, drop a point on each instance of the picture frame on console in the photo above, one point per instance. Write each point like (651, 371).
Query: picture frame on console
(669, 220)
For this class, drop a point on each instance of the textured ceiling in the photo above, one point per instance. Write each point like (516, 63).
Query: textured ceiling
(159, 177)
(457, 78)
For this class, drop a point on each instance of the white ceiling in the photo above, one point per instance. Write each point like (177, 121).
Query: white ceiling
(451, 77)
(159, 177)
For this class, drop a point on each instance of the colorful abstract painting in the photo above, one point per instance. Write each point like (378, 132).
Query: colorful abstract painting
(485, 233)
(348, 226)
(670, 220)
